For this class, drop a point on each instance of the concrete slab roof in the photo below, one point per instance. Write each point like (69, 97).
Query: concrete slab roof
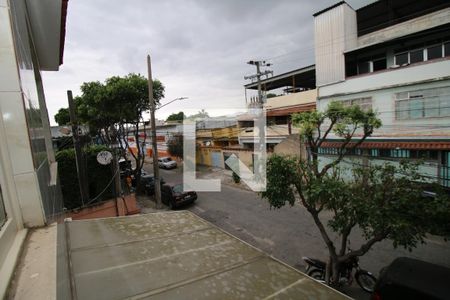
(171, 255)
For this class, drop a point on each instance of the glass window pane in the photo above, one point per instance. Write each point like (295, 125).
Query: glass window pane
(379, 64)
(416, 94)
(444, 108)
(434, 52)
(416, 107)
(401, 110)
(401, 59)
(447, 49)
(402, 95)
(432, 107)
(363, 67)
(416, 56)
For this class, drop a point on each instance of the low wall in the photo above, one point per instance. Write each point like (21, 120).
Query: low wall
(125, 206)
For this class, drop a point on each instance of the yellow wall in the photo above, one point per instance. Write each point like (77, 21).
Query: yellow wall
(292, 99)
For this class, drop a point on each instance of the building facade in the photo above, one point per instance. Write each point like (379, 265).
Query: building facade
(392, 57)
(31, 40)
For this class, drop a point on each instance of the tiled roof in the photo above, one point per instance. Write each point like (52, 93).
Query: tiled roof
(419, 145)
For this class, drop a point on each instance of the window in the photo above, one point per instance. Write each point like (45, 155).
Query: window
(419, 55)
(416, 56)
(355, 65)
(419, 104)
(379, 64)
(401, 59)
(363, 67)
(364, 103)
(434, 52)
(399, 153)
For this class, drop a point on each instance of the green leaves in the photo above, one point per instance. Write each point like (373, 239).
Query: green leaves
(62, 117)
(383, 200)
(118, 100)
(281, 176)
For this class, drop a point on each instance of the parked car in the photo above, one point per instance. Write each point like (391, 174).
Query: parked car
(166, 163)
(173, 195)
(408, 278)
(148, 182)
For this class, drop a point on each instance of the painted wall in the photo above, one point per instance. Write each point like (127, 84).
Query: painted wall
(428, 169)
(435, 70)
(335, 31)
(421, 23)
(383, 101)
(292, 99)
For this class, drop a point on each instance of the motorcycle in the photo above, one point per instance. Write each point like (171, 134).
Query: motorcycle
(317, 269)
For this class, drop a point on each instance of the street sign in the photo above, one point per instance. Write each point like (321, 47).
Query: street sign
(104, 157)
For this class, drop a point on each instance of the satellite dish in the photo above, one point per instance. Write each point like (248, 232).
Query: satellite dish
(104, 157)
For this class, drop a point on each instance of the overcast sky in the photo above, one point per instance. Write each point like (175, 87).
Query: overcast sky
(199, 48)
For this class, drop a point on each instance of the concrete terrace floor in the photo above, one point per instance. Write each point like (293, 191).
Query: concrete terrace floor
(172, 255)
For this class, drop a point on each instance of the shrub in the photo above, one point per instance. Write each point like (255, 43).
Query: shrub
(236, 178)
(98, 176)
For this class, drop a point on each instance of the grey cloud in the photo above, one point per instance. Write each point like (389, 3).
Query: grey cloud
(198, 47)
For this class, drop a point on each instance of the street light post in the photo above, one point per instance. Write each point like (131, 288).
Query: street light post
(153, 108)
(154, 144)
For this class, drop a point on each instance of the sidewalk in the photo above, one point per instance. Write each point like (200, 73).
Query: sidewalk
(225, 176)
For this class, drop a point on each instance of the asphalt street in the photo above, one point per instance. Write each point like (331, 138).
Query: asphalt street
(289, 233)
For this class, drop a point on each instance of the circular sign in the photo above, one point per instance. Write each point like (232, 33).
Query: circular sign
(104, 157)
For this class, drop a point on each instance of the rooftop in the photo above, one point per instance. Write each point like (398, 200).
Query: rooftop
(172, 255)
(300, 78)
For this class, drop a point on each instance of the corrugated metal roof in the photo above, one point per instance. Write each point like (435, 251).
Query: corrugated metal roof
(174, 255)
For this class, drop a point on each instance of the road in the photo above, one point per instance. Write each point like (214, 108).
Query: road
(289, 233)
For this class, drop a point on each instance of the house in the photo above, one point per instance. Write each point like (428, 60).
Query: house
(31, 40)
(299, 94)
(393, 57)
(215, 137)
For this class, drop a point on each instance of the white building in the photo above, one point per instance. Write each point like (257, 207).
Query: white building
(31, 39)
(394, 57)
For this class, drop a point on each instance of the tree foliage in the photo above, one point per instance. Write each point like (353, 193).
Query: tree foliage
(202, 114)
(176, 117)
(62, 117)
(383, 201)
(114, 109)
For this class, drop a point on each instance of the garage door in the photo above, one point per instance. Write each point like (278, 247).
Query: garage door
(216, 159)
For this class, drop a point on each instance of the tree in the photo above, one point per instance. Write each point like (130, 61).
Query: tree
(202, 114)
(385, 201)
(175, 146)
(176, 117)
(271, 95)
(62, 117)
(113, 110)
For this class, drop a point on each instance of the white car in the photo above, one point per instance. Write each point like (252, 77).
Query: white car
(166, 163)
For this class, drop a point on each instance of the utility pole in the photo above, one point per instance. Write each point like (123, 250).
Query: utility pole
(79, 155)
(154, 144)
(258, 75)
(260, 104)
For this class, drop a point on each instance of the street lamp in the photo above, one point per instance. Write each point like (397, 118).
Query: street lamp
(179, 98)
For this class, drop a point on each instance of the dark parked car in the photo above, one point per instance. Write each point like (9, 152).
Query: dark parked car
(173, 195)
(148, 183)
(407, 278)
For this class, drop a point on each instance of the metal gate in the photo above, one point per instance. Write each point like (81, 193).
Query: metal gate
(216, 159)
